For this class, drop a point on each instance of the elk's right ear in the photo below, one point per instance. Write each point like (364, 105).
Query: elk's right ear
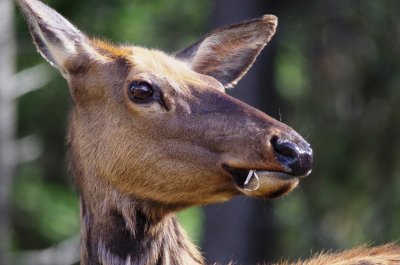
(55, 37)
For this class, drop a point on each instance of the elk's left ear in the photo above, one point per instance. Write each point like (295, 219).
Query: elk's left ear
(55, 37)
(227, 53)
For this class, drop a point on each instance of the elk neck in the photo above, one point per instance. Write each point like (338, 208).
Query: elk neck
(121, 229)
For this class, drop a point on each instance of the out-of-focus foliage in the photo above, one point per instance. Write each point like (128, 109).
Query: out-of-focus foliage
(191, 219)
(338, 74)
(45, 208)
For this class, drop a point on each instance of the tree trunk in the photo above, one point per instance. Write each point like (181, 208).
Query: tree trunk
(7, 122)
(244, 230)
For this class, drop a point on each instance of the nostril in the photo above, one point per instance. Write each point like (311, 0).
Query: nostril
(296, 159)
(285, 151)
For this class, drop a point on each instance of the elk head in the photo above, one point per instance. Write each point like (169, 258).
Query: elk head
(161, 127)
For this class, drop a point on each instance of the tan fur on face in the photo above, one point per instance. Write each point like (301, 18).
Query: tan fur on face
(108, 49)
(159, 64)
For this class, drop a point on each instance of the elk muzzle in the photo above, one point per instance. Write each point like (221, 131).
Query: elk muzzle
(290, 159)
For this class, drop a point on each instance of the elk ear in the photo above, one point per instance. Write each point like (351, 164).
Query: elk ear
(228, 52)
(55, 37)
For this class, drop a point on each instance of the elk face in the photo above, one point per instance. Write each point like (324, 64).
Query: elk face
(161, 127)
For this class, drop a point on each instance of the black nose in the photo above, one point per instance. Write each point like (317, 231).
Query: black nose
(295, 158)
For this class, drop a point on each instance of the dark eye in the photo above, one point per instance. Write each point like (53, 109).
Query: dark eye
(140, 91)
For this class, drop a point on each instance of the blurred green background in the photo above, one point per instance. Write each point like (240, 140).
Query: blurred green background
(332, 72)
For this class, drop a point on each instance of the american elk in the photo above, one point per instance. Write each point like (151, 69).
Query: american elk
(151, 133)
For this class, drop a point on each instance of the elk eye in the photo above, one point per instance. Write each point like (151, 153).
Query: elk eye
(140, 91)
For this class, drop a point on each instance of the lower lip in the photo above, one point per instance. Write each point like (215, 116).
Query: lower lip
(269, 184)
(275, 174)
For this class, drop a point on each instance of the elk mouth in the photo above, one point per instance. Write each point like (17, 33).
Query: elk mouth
(263, 183)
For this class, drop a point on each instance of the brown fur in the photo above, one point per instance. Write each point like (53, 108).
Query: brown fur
(382, 255)
(136, 163)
